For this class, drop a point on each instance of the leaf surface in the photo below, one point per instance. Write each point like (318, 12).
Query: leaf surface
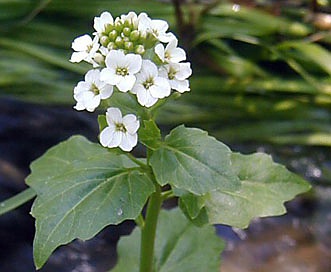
(265, 186)
(191, 160)
(81, 188)
(180, 246)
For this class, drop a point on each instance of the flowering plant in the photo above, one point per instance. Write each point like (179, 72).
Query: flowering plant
(82, 187)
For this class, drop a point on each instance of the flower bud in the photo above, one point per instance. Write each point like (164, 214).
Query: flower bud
(104, 40)
(139, 49)
(126, 31)
(99, 58)
(128, 46)
(119, 41)
(111, 46)
(134, 35)
(112, 35)
(126, 39)
(150, 41)
(109, 28)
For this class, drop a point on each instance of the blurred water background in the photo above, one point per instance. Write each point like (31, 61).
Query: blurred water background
(261, 82)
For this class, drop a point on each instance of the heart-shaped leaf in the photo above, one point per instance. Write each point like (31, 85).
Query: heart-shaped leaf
(191, 160)
(265, 186)
(81, 188)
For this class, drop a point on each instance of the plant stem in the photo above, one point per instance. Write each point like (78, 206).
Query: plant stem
(148, 232)
(16, 201)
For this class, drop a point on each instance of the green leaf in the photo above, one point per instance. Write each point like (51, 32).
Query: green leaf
(191, 160)
(150, 135)
(311, 52)
(265, 186)
(179, 246)
(81, 188)
(102, 121)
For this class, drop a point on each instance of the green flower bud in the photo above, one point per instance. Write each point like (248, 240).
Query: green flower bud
(112, 35)
(126, 39)
(150, 41)
(128, 45)
(111, 46)
(126, 31)
(108, 28)
(104, 40)
(139, 49)
(134, 35)
(119, 41)
(119, 26)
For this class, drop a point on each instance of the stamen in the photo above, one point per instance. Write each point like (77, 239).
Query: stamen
(148, 83)
(120, 127)
(122, 71)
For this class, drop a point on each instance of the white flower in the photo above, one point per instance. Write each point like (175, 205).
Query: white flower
(102, 22)
(150, 86)
(157, 27)
(171, 53)
(85, 48)
(88, 93)
(121, 131)
(131, 17)
(121, 69)
(177, 74)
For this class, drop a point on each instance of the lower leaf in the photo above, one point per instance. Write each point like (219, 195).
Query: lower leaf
(179, 246)
(81, 188)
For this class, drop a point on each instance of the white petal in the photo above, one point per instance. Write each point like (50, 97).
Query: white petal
(100, 22)
(113, 116)
(134, 62)
(184, 71)
(163, 71)
(117, 139)
(172, 45)
(166, 37)
(81, 43)
(144, 98)
(93, 103)
(161, 88)
(106, 91)
(79, 106)
(131, 123)
(160, 26)
(177, 55)
(180, 85)
(106, 136)
(78, 56)
(126, 83)
(144, 22)
(92, 76)
(128, 141)
(159, 51)
(82, 86)
(87, 100)
(114, 59)
(148, 69)
(107, 75)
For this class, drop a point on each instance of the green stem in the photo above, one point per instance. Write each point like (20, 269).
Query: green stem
(135, 160)
(140, 221)
(167, 194)
(148, 233)
(16, 201)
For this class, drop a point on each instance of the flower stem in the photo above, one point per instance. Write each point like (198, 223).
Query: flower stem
(149, 231)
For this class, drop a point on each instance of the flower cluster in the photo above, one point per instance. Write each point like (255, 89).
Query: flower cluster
(131, 53)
